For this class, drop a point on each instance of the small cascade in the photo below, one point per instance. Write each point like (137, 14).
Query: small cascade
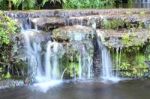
(108, 72)
(85, 64)
(118, 59)
(51, 61)
(43, 65)
(107, 69)
(32, 50)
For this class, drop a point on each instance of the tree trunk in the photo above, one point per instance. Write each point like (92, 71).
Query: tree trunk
(9, 5)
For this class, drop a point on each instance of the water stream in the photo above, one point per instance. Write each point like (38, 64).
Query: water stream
(107, 72)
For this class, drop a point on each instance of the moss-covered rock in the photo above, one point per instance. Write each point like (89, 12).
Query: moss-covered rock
(124, 38)
(73, 33)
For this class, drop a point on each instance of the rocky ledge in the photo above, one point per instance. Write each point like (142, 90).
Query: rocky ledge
(124, 38)
(10, 83)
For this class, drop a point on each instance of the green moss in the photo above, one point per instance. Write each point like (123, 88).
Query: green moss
(70, 61)
(112, 24)
(132, 62)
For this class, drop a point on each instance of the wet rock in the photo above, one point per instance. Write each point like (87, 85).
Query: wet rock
(125, 38)
(86, 20)
(47, 24)
(73, 33)
(10, 83)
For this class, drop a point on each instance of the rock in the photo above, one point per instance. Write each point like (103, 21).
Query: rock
(10, 83)
(124, 38)
(73, 33)
(86, 20)
(49, 23)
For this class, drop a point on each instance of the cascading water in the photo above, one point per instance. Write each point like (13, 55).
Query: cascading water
(43, 66)
(107, 66)
(51, 61)
(85, 64)
(118, 59)
(107, 72)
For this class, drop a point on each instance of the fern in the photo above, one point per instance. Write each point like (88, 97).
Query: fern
(3, 5)
(89, 3)
(26, 4)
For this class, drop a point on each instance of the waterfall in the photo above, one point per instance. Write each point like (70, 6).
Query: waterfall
(85, 64)
(107, 71)
(142, 3)
(118, 59)
(32, 50)
(51, 61)
(44, 61)
(43, 65)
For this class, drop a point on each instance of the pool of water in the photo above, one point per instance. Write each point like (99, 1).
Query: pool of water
(127, 89)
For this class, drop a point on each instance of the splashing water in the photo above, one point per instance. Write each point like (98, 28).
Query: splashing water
(46, 73)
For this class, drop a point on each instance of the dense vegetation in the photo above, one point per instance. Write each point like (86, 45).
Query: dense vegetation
(7, 29)
(38, 4)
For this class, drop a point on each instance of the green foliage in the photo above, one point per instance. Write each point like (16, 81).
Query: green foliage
(7, 28)
(7, 76)
(52, 1)
(3, 4)
(130, 3)
(132, 62)
(112, 24)
(70, 61)
(26, 4)
(32, 4)
(88, 3)
(127, 40)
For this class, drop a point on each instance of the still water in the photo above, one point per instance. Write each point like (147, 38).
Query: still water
(128, 89)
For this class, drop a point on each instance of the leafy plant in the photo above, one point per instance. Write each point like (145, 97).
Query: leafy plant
(88, 3)
(3, 4)
(112, 24)
(26, 4)
(7, 29)
(51, 1)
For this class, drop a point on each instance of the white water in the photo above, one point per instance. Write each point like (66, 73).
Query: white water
(51, 61)
(107, 66)
(40, 68)
(32, 50)
(85, 64)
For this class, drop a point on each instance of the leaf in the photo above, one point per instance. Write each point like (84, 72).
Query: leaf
(44, 1)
